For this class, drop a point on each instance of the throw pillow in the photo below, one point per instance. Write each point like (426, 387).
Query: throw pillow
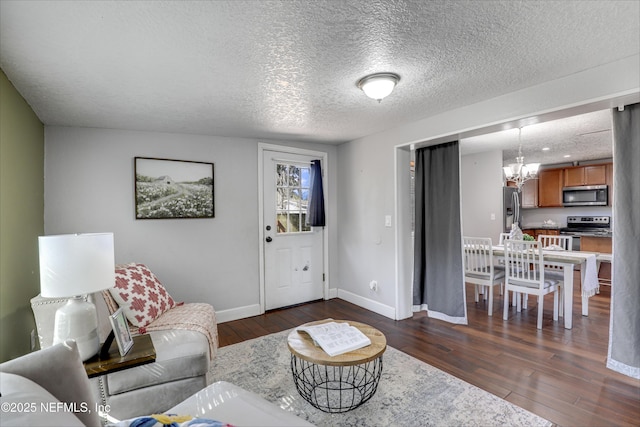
(140, 294)
(168, 420)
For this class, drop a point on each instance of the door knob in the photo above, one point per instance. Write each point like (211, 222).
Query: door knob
(268, 239)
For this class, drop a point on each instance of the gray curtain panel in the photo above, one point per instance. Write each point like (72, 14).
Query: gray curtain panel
(624, 333)
(438, 277)
(315, 211)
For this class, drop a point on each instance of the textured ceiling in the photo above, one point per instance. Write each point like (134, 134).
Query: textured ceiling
(581, 138)
(287, 70)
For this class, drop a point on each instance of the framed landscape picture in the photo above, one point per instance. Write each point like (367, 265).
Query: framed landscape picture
(173, 189)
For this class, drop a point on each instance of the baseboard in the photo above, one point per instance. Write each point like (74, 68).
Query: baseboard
(237, 313)
(223, 316)
(367, 303)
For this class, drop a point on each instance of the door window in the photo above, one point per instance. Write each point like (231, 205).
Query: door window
(292, 198)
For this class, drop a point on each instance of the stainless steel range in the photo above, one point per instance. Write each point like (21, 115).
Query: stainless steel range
(578, 226)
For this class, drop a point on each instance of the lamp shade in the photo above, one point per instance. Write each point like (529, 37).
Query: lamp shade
(533, 168)
(516, 168)
(76, 264)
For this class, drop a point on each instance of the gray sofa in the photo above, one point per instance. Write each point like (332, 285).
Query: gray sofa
(181, 368)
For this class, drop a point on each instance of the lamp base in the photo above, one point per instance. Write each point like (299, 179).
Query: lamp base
(77, 320)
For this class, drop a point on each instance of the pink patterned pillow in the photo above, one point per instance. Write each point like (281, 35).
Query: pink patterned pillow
(140, 294)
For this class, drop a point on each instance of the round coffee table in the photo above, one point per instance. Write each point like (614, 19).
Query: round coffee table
(339, 383)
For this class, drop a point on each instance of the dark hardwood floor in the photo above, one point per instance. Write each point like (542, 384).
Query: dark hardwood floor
(556, 373)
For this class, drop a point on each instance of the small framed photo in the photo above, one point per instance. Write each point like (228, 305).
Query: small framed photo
(121, 331)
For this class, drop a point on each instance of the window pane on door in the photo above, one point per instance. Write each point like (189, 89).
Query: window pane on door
(292, 197)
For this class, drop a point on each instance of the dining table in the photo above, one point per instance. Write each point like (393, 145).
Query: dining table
(568, 260)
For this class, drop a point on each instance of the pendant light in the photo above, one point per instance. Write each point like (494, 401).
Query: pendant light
(518, 172)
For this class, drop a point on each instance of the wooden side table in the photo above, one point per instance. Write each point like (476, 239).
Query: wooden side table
(339, 383)
(142, 352)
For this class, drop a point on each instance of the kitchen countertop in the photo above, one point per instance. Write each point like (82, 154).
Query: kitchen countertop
(541, 226)
(607, 234)
(593, 234)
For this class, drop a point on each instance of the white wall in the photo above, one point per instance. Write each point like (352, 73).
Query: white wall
(367, 176)
(532, 218)
(481, 182)
(89, 187)
(366, 247)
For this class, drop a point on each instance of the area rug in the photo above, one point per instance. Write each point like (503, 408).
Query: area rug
(410, 392)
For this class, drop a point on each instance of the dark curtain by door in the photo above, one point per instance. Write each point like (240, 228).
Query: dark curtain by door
(315, 211)
(624, 333)
(438, 276)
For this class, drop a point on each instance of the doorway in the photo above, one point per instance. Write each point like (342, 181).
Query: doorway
(293, 259)
(404, 237)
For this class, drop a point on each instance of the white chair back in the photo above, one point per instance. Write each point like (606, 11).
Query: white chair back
(555, 242)
(503, 237)
(479, 268)
(525, 273)
(478, 260)
(524, 263)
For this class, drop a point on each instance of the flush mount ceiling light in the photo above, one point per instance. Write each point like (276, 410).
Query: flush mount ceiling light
(378, 86)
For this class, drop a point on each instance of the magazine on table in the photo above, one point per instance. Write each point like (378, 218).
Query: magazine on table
(336, 338)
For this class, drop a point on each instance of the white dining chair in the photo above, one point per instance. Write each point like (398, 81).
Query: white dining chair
(503, 237)
(479, 268)
(515, 302)
(555, 242)
(525, 274)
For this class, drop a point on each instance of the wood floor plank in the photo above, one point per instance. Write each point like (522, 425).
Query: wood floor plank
(557, 412)
(556, 373)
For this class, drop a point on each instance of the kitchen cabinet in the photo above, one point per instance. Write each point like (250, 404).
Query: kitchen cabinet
(550, 183)
(530, 194)
(546, 191)
(585, 175)
(530, 231)
(609, 168)
(599, 244)
(535, 232)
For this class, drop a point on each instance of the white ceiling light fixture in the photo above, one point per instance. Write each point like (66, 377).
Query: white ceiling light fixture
(378, 86)
(519, 172)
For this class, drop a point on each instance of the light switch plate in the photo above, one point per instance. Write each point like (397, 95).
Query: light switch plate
(387, 221)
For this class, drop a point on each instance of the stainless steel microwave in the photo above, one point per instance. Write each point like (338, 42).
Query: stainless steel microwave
(586, 195)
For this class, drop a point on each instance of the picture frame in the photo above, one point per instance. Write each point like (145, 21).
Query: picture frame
(167, 189)
(121, 331)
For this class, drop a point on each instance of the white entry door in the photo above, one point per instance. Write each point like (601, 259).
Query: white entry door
(293, 251)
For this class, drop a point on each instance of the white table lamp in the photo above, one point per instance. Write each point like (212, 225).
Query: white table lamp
(73, 265)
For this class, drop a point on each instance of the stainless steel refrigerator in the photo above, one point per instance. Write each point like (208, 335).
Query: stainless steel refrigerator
(511, 208)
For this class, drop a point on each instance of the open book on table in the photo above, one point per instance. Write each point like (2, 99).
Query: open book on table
(336, 338)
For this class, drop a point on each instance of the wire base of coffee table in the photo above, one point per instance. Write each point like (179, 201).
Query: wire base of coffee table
(336, 388)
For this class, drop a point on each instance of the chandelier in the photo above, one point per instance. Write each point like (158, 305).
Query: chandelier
(518, 172)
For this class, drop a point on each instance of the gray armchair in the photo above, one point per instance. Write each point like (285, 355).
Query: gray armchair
(46, 376)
